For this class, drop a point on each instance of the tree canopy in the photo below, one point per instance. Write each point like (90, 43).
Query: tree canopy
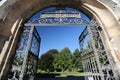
(46, 60)
(63, 61)
(77, 60)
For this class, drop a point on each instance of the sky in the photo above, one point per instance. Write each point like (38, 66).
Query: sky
(58, 37)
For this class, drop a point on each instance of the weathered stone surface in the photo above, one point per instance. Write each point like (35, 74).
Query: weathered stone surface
(106, 13)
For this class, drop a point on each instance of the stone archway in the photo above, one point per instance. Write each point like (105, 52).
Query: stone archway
(22, 10)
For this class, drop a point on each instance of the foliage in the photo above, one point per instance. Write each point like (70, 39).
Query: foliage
(46, 60)
(77, 61)
(63, 61)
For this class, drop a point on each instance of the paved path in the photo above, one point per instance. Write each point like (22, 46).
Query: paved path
(65, 78)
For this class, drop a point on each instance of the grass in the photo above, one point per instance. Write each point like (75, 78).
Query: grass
(63, 74)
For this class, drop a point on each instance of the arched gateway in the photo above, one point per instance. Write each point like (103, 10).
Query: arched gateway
(15, 13)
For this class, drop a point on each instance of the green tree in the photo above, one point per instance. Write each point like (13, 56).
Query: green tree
(63, 61)
(46, 60)
(77, 61)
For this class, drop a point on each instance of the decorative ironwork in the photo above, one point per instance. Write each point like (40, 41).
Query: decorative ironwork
(60, 21)
(27, 53)
(97, 62)
(60, 13)
(88, 56)
(105, 60)
(31, 64)
(35, 43)
(59, 17)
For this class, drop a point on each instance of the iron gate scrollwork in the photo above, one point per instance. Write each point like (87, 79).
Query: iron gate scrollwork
(27, 53)
(97, 62)
(59, 17)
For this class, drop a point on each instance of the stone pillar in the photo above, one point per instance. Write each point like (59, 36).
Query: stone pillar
(4, 46)
(8, 51)
(114, 45)
(2, 39)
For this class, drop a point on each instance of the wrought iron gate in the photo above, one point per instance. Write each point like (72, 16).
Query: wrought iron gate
(27, 53)
(97, 62)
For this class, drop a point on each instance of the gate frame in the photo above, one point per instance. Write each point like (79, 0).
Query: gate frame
(23, 10)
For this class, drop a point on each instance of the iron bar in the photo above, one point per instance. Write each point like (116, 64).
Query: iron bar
(96, 53)
(26, 56)
(111, 65)
(37, 24)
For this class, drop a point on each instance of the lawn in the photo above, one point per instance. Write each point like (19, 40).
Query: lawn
(65, 74)
(60, 74)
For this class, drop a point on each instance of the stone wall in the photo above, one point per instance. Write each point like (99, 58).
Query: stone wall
(5, 7)
(14, 11)
(114, 6)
